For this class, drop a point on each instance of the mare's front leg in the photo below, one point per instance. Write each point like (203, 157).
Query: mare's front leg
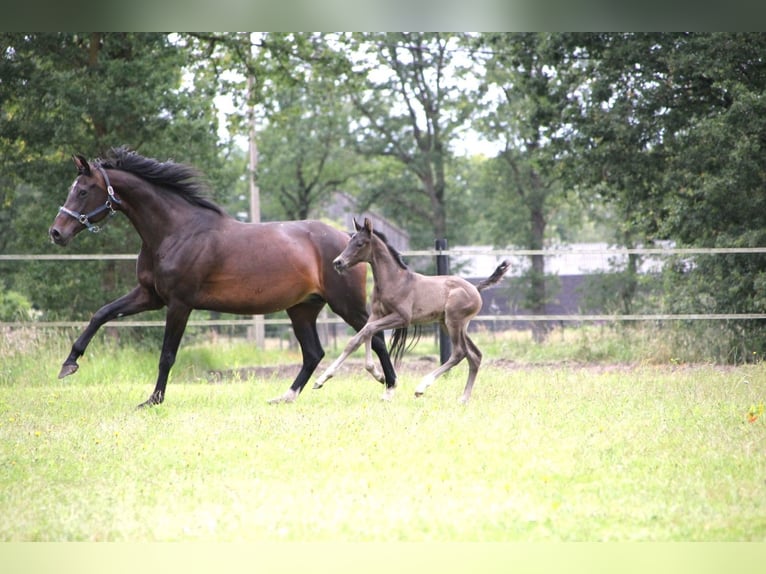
(175, 325)
(138, 300)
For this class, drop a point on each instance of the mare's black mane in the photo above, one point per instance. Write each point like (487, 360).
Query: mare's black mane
(183, 180)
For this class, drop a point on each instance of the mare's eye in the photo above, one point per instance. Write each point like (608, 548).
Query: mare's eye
(82, 192)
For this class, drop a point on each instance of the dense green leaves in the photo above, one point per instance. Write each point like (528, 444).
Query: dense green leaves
(68, 93)
(633, 137)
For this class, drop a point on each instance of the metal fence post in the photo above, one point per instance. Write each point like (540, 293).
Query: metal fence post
(442, 268)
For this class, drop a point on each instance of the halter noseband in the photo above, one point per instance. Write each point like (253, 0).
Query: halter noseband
(111, 201)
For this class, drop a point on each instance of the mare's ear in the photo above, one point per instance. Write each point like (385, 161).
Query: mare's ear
(83, 167)
(357, 227)
(368, 225)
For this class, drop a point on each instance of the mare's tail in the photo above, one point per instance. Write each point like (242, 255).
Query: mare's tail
(399, 345)
(495, 277)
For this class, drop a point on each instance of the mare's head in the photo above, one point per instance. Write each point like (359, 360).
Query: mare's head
(90, 200)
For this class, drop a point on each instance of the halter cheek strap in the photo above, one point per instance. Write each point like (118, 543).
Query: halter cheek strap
(85, 218)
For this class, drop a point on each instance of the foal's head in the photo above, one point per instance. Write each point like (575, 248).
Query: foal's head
(359, 247)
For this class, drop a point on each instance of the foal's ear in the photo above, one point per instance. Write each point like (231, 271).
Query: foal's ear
(83, 167)
(368, 225)
(357, 227)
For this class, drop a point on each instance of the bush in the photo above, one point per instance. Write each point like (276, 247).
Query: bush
(15, 307)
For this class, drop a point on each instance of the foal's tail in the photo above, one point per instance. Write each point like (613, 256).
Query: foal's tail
(399, 343)
(495, 277)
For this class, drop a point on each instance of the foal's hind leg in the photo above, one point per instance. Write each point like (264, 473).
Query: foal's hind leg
(473, 356)
(457, 355)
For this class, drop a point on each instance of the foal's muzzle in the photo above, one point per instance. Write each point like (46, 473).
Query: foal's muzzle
(339, 264)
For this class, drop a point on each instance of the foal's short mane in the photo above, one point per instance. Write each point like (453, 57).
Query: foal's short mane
(394, 253)
(178, 178)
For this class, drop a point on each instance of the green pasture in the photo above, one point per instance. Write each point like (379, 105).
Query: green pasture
(582, 438)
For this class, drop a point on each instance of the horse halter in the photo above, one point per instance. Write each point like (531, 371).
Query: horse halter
(111, 201)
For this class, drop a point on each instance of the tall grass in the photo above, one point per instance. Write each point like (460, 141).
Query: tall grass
(550, 448)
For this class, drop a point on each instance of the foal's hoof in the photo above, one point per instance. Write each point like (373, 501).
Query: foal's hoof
(419, 394)
(319, 383)
(288, 397)
(68, 369)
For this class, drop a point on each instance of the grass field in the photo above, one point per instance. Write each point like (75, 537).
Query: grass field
(550, 448)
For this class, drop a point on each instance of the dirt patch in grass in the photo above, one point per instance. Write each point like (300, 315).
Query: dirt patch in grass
(417, 365)
(425, 364)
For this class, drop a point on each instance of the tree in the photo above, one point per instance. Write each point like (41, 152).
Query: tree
(305, 148)
(62, 93)
(671, 133)
(527, 94)
(406, 90)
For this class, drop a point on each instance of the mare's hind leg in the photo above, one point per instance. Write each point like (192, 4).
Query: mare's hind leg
(304, 320)
(138, 300)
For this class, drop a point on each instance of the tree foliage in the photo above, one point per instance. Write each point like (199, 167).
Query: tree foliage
(654, 136)
(65, 93)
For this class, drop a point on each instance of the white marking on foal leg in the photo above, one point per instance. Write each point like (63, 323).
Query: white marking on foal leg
(369, 363)
(426, 382)
(324, 377)
(388, 394)
(289, 397)
(352, 346)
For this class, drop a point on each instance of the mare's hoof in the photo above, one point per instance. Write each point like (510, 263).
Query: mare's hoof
(419, 394)
(150, 402)
(68, 369)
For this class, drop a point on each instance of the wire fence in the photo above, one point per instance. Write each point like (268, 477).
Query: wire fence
(464, 253)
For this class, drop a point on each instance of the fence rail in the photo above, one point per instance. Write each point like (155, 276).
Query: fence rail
(338, 321)
(435, 252)
(432, 253)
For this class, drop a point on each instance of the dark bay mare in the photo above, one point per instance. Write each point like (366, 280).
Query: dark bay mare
(402, 297)
(195, 256)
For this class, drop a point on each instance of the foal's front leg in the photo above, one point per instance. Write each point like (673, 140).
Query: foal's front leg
(352, 346)
(363, 336)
